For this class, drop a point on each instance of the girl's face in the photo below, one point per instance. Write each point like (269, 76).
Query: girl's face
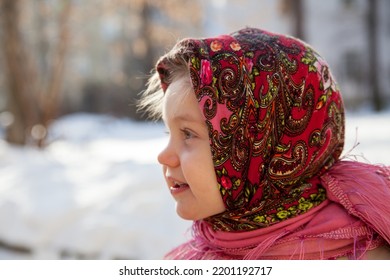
(186, 160)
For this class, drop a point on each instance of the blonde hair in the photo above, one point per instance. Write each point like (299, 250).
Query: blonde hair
(171, 66)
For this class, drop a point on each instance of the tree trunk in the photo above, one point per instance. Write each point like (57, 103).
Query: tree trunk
(298, 12)
(372, 30)
(50, 96)
(17, 74)
(140, 55)
(33, 104)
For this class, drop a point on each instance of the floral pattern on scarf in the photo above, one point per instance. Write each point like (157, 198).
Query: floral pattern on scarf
(276, 123)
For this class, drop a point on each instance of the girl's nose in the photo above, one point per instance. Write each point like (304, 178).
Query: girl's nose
(168, 157)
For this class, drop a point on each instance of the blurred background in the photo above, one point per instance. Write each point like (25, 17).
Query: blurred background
(76, 159)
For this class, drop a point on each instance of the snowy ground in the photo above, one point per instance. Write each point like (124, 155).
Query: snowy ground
(96, 191)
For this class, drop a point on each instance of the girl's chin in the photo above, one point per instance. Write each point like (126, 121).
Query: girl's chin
(185, 213)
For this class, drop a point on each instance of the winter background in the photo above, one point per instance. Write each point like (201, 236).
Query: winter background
(97, 191)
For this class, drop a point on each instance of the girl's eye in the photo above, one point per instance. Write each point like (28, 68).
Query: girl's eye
(187, 134)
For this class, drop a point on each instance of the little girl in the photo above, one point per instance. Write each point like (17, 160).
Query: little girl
(256, 125)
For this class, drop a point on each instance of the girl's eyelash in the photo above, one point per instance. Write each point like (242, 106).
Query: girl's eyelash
(187, 133)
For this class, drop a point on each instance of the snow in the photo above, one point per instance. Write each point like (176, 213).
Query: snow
(97, 191)
(372, 133)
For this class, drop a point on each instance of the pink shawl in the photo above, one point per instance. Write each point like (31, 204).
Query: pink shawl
(354, 219)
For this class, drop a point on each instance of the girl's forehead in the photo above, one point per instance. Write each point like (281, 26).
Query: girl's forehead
(179, 102)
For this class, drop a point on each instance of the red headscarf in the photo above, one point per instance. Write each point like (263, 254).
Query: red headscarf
(276, 125)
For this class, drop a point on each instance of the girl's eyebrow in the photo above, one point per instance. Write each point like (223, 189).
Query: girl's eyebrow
(185, 117)
(181, 117)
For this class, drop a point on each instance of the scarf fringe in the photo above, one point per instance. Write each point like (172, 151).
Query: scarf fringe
(199, 248)
(364, 190)
(259, 250)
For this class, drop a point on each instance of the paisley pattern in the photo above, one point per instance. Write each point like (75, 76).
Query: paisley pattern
(275, 120)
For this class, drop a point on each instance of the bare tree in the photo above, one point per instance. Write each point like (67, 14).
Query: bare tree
(372, 32)
(298, 12)
(31, 102)
(295, 9)
(158, 21)
(17, 74)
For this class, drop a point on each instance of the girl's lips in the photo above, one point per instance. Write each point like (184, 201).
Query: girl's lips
(178, 188)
